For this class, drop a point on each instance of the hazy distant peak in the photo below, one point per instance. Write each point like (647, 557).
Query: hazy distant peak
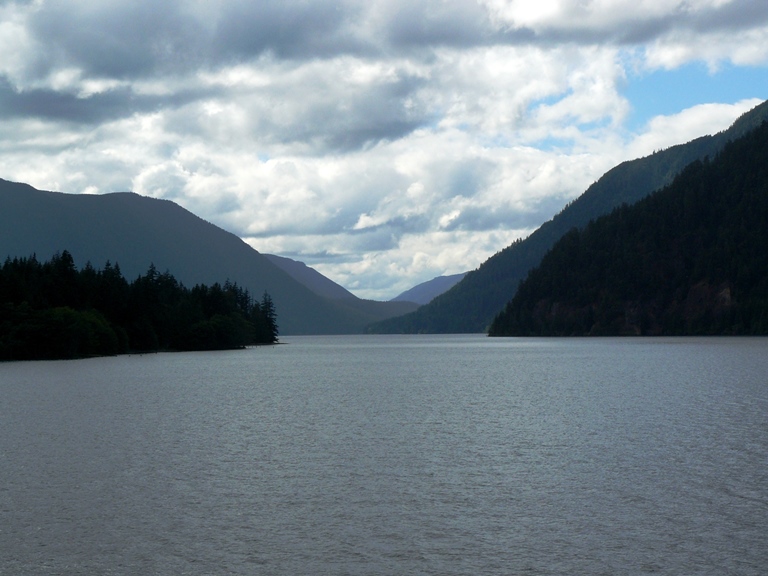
(426, 291)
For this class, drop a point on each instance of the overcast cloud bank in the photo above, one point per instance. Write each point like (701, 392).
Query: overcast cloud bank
(382, 142)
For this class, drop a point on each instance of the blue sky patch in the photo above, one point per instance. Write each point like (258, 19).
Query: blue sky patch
(665, 92)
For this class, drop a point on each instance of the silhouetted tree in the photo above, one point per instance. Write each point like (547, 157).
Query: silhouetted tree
(51, 310)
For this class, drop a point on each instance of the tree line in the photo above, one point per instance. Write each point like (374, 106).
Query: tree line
(689, 259)
(471, 305)
(52, 310)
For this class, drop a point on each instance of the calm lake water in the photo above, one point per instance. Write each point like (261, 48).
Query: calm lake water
(391, 455)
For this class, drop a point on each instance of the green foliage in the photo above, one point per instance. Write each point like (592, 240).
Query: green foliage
(689, 259)
(52, 310)
(59, 332)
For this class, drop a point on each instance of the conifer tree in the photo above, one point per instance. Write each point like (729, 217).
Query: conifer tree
(270, 317)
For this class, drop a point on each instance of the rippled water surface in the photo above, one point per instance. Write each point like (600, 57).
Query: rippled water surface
(391, 455)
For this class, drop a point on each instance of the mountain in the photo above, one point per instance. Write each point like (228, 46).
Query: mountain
(427, 291)
(310, 278)
(689, 259)
(471, 305)
(343, 299)
(135, 231)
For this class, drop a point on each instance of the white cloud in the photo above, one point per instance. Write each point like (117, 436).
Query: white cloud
(747, 48)
(16, 43)
(383, 142)
(664, 131)
(596, 15)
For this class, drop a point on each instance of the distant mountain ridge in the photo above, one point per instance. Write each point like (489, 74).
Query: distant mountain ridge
(311, 278)
(427, 291)
(471, 305)
(136, 231)
(690, 259)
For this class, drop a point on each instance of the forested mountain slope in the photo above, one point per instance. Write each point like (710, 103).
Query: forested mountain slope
(689, 259)
(471, 305)
(135, 231)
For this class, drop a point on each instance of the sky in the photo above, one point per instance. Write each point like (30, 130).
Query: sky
(382, 142)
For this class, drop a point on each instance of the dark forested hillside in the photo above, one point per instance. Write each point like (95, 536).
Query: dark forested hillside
(135, 231)
(471, 305)
(53, 310)
(689, 259)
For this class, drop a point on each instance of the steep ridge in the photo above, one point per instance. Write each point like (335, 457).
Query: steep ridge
(688, 260)
(426, 291)
(135, 231)
(310, 277)
(372, 309)
(471, 305)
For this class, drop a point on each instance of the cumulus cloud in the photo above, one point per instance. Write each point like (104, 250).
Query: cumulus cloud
(383, 142)
(623, 21)
(664, 131)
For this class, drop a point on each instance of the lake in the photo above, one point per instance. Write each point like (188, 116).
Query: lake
(391, 455)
